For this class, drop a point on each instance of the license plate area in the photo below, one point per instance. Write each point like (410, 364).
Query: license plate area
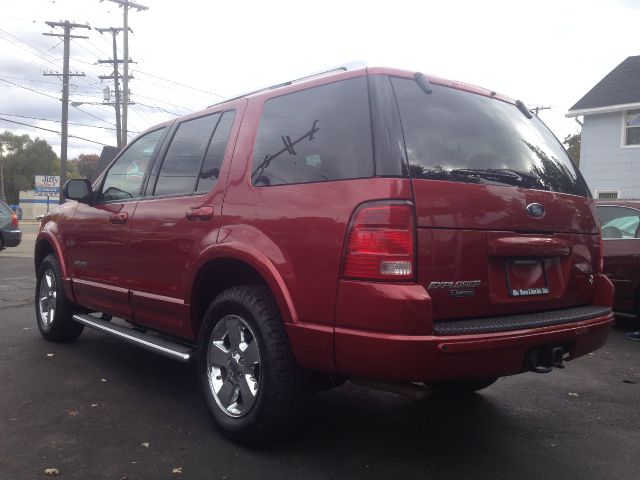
(526, 277)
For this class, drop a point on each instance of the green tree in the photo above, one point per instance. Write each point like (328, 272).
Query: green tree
(23, 159)
(87, 164)
(572, 144)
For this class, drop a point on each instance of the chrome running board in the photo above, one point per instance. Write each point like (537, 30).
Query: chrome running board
(141, 339)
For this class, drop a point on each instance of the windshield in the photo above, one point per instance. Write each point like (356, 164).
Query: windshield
(459, 136)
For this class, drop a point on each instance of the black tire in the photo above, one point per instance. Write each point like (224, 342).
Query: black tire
(62, 328)
(462, 387)
(277, 408)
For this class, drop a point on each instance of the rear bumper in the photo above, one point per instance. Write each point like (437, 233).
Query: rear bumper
(440, 357)
(11, 238)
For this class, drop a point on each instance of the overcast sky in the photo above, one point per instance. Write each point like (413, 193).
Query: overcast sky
(544, 52)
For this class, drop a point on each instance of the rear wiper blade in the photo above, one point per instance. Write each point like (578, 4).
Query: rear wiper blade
(510, 177)
(483, 172)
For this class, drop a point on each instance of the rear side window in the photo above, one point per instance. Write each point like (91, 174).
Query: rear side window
(183, 160)
(459, 136)
(215, 153)
(315, 135)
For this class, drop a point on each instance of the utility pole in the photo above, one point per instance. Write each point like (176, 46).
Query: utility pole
(536, 110)
(66, 36)
(115, 77)
(126, 5)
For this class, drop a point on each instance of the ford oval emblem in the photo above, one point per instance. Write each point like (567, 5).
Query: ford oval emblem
(535, 210)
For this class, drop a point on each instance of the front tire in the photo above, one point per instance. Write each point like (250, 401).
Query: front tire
(54, 312)
(252, 385)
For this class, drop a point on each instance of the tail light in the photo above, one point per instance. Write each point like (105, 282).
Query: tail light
(601, 256)
(380, 243)
(14, 220)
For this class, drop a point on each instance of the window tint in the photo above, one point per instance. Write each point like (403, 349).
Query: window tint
(215, 153)
(619, 222)
(459, 136)
(315, 135)
(124, 178)
(183, 159)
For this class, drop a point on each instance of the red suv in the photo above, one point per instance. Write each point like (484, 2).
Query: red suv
(365, 224)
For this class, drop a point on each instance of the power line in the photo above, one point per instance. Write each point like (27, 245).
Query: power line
(92, 115)
(153, 100)
(181, 84)
(58, 121)
(49, 130)
(51, 59)
(160, 108)
(27, 88)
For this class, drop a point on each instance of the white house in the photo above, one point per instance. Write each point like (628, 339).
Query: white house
(610, 146)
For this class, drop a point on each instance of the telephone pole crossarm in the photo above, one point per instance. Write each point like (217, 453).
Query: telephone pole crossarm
(126, 5)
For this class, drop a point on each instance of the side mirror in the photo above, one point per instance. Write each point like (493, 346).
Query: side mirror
(78, 189)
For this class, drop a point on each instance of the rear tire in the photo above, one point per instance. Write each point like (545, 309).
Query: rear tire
(54, 311)
(462, 387)
(253, 387)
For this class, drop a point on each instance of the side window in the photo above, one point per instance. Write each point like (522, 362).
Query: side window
(619, 222)
(181, 166)
(124, 179)
(315, 135)
(210, 170)
(632, 127)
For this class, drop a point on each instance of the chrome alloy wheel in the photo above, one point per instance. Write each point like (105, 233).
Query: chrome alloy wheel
(47, 298)
(233, 366)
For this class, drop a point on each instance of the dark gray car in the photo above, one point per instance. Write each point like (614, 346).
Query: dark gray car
(10, 234)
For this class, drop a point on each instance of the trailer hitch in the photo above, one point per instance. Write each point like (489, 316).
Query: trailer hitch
(544, 359)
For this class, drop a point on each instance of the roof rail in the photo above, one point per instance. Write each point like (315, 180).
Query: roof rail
(340, 68)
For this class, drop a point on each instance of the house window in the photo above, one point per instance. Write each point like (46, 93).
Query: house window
(607, 194)
(632, 127)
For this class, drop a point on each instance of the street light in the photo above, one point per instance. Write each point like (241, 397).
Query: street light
(107, 95)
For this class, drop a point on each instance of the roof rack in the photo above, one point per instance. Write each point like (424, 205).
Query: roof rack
(340, 68)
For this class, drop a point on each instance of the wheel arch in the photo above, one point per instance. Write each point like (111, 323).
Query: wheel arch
(45, 245)
(231, 264)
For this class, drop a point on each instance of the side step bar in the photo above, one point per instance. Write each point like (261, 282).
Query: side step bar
(146, 341)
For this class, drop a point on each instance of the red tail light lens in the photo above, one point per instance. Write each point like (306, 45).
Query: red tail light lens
(380, 243)
(14, 220)
(601, 259)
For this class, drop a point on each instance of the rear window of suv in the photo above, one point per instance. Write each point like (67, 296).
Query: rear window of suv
(315, 135)
(459, 136)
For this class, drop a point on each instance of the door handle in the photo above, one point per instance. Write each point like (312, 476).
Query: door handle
(119, 218)
(200, 214)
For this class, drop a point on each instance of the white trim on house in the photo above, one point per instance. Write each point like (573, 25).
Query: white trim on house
(607, 109)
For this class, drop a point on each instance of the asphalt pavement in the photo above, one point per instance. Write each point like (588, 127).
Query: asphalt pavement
(101, 409)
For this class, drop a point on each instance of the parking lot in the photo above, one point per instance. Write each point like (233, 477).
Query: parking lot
(99, 409)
